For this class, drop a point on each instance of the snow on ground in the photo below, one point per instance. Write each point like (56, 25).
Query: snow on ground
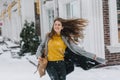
(22, 69)
(106, 73)
(16, 69)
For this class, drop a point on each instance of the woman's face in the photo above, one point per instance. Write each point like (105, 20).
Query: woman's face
(58, 27)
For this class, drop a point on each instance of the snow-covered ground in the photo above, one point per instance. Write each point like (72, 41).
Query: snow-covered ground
(22, 69)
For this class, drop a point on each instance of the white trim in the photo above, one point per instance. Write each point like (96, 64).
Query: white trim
(114, 49)
(114, 44)
(94, 38)
(113, 22)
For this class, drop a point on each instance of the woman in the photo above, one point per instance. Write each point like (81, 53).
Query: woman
(61, 47)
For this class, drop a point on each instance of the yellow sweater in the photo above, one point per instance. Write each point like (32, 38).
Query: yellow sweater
(56, 48)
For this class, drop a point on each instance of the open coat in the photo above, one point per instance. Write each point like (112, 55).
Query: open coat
(74, 55)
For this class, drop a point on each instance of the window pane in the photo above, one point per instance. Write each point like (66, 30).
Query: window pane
(68, 10)
(50, 18)
(73, 9)
(118, 13)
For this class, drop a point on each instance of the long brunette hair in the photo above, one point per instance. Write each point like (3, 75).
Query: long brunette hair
(72, 28)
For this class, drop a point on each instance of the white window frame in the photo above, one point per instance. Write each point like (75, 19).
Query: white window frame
(50, 18)
(44, 17)
(72, 5)
(62, 7)
(114, 46)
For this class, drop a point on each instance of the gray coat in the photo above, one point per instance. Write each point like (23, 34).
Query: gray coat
(72, 46)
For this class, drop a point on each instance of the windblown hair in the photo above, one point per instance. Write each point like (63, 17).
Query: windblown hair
(72, 28)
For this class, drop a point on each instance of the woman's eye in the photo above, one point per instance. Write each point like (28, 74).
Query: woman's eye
(58, 24)
(55, 24)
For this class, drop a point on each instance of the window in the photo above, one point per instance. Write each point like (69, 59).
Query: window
(73, 9)
(68, 10)
(114, 21)
(118, 17)
(50, 18)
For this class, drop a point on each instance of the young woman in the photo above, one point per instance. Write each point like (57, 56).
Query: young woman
(63, 39)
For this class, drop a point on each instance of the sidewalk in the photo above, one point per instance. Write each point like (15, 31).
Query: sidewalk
(103, 73)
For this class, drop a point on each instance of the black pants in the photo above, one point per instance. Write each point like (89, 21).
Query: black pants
(56, 70)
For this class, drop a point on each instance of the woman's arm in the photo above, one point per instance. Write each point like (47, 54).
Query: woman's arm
(41, 47)
(81, 51)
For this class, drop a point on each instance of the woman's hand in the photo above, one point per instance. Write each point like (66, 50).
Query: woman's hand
(40, 58)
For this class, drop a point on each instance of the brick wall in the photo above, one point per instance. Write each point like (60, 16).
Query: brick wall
(106, 22)
(113, 58)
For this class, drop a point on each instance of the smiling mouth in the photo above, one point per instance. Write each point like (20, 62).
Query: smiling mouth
(57, 28)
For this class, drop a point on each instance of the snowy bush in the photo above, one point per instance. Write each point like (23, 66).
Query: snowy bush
(29, 39)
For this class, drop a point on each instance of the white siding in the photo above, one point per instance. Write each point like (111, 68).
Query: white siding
(27, 10)
(12, 28)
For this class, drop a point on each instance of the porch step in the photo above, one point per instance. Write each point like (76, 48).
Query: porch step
(11, 44)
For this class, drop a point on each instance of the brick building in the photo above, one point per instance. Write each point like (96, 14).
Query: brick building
(111, 31)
